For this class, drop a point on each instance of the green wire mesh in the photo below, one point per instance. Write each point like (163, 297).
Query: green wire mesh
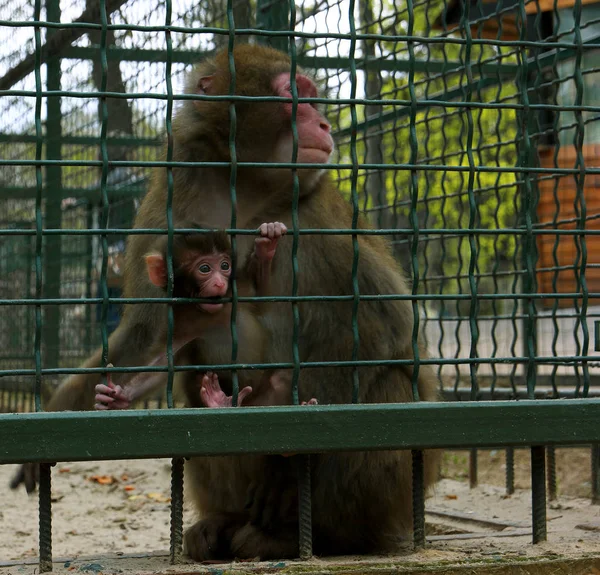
(467, 132)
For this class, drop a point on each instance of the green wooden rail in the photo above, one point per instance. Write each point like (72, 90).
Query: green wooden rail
(48, 437)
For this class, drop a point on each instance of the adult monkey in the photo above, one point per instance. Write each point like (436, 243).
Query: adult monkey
(361, 501)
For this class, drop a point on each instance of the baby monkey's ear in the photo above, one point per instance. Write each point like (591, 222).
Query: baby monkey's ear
(157, 269)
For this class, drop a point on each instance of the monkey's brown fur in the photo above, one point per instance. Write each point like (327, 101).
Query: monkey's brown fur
(361, 501)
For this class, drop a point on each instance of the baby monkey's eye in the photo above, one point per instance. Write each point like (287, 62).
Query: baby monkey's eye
(204, 268)
(225, 266)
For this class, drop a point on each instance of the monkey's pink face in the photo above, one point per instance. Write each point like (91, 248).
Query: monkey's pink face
(315, 143)
(212, 273)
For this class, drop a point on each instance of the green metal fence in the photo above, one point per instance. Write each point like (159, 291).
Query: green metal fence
(468, 132)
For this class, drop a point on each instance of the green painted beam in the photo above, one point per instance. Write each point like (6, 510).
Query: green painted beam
(91, 194)
(66, 140)
(400, 112)
(134, 54)
(558, 55)
(315, 62)
(78, 436)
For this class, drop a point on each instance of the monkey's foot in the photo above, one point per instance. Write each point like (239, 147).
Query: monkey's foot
(251, 542)
(29, 475)
(210, 538)
(212, 395)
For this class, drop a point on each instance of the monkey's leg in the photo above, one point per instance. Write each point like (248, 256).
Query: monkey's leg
(272, 529)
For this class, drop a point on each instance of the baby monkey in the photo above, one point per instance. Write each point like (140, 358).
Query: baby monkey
(202, 269)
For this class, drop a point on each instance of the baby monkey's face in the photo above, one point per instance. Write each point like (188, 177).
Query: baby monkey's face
(211, 273)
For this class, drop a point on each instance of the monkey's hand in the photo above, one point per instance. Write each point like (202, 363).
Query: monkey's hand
(110, 396)
(29, 475)
(312, 401)
(266, 245)
(212, 395)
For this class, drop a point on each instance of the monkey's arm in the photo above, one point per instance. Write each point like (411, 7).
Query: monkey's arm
(260, 263)
(111, 396)
(260, 272)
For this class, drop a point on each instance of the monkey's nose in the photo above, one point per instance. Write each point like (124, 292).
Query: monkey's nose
(325, 126)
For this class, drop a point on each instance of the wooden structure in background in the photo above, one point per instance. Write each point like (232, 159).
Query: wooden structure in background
(557, 207)
(558, 264)
(499, 21)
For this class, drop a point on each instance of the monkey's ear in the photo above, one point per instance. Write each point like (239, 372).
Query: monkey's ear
(157, 270)
(205, 84)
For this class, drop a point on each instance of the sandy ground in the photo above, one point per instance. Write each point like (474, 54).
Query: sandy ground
(127, 512)
(573, 469)
(113, 508)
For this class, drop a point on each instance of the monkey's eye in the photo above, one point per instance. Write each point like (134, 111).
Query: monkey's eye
(204, 269)
(225, 266)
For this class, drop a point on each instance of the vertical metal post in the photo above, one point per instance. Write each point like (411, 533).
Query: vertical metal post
(177, 468)
(510, 470)
(53, 197)
(418, 481)
(305, 510)
(89, 272)
(45, 517)
(29, 275)
(538, 493)
(529, 199)
(551, 470)
(596, 474)
(177, 464)
(52, 261)
(473, 468)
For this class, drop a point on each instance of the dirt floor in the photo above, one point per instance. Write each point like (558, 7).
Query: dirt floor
(117, 508)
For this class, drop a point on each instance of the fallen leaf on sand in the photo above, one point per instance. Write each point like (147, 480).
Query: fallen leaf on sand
(64, 470)
(129, 487)
(450, 496)
(102, 479)
(158, 497)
